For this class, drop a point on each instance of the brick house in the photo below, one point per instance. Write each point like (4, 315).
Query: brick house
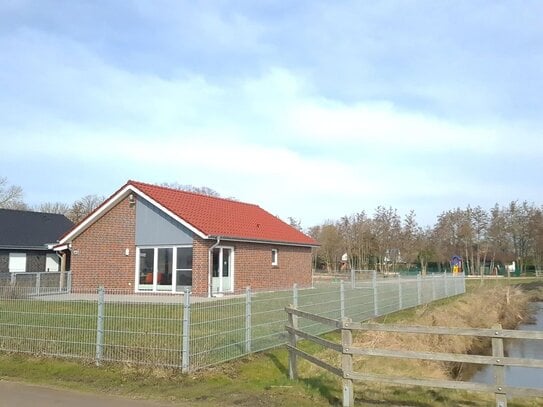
(149, 238)
(24, 239)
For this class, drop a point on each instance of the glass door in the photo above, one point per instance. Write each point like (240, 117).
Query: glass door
(221, 279)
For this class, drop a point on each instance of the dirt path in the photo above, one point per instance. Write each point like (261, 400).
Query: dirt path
(13, 394)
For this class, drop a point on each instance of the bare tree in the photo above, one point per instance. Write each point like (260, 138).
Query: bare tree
(11, 196)
(191, 188)
(84, 206)
(53, 207)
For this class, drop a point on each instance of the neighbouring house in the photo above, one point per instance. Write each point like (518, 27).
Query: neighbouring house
(24, 240)
(149, 238)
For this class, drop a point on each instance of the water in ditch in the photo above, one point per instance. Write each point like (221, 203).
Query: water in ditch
(520, 348)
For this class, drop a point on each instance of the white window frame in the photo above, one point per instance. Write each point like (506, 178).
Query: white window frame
(16, 257)
(153, 289)
(275, 257)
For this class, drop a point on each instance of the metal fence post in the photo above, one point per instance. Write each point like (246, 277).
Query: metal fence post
(295, 304)
(248, 320)
(342, 299)
(100, 326)
(400, 293)
(445, 283)
(433, 287)
(353, 278)
(499, 369)
(375, 294)
(38, 283)
(419, 289)
(185, 353)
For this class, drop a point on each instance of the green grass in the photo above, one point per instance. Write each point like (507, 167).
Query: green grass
(151, 333)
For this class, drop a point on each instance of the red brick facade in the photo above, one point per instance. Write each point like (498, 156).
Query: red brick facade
(99, 258)
(99, 253)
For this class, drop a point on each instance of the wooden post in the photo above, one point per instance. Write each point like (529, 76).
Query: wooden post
(292, 361)
(499, 369)
(347, 362)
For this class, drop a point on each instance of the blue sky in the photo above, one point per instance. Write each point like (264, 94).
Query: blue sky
(311, 109)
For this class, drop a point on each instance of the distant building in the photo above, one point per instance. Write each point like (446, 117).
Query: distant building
(24, 240)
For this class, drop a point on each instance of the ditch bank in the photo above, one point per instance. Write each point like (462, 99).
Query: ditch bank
(483, 307)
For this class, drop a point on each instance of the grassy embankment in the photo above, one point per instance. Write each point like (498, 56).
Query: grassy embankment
(262, 379)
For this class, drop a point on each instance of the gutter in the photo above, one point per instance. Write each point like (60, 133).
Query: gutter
(210, 264)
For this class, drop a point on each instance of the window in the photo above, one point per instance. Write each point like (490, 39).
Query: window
(52, 262)
(164, 268)
(17, 262)
(184, 266)
(274, 257)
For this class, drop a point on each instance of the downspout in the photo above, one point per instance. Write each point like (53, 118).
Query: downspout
(210, 264)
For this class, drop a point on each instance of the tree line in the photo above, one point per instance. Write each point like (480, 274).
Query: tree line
(486, 240)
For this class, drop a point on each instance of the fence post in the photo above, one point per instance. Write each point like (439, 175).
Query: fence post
(400, 293)
(419, 289)
(295, 301)
(375, 294)
(13, 278)
(185, 353)
(38, 283)
(292, 357)
(69, 281)
(445, 283)
(499, 369)
(353, 278)
(248, 320)
(433, 287)
(342, 299)
(100, 326)
(347, 362)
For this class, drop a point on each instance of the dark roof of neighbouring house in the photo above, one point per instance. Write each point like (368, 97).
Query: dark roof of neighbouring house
(207, 216)
(31, 230)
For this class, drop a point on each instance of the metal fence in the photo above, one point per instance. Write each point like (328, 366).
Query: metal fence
(189, 332)
(38, 283)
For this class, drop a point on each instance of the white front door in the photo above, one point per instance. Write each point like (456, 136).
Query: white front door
(221, 279)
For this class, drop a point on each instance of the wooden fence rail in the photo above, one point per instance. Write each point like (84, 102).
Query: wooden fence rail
(347, 350)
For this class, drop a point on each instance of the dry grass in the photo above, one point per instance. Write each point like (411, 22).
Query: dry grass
(482, 308)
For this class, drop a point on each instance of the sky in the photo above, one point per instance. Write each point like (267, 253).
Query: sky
(311, 109)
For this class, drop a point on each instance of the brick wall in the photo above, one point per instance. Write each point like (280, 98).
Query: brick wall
(98, 254)
(253, 268)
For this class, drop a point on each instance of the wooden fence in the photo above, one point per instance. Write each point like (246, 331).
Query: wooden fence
(345, 371)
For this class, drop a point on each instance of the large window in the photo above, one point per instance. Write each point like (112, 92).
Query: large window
(164, 268)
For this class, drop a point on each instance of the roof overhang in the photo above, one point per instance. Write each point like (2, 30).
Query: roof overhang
(271, 242)
(27, 248)
(114, 200)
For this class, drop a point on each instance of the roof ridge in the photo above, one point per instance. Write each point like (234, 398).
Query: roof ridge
(32, 211)
(135, 183)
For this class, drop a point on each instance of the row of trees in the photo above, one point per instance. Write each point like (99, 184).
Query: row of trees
(486, 240)
(11, 197)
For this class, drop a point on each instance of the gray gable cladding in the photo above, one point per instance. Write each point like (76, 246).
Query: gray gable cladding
(154, 227)
(31, 230)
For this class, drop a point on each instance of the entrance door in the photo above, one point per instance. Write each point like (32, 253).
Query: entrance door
(221, 279)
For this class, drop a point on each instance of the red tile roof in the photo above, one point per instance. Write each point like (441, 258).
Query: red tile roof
(224, 217)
